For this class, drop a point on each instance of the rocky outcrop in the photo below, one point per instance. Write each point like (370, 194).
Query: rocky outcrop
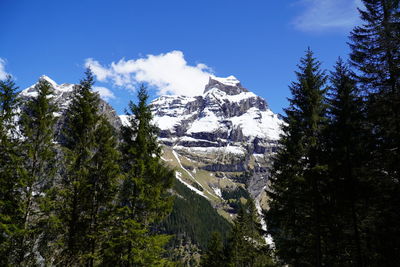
(229, 85)
(226, 120)
(226, 114)
(241, 167)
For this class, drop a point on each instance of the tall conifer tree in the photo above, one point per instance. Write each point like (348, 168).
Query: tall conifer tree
(88, 186)
(141, 162)
(37, 123)
(295, 217)
(375, 53)
(10, 171)
(79, 134)
(104, 178)
(142, 198)
(348, 183)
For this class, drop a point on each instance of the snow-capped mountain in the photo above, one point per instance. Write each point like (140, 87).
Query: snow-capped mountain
(220, 140)
(62, 93)
(226, 116)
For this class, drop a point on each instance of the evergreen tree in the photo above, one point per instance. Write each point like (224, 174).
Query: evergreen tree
(88, 186)
(79, 134)
(348, 185)
(375, 53)
(247, 245)
(37, 126)
(148, 178)
(215, 254)
(295, 218)
(104, 176)
(143, 199)
(10, 171)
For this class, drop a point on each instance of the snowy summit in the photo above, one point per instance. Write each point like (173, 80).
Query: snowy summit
(230, 80)
(226, 115)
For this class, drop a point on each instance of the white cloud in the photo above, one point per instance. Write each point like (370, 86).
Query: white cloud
(169, 73)
(101, 73)
(104, 93)
(320, 15)
(3, 73)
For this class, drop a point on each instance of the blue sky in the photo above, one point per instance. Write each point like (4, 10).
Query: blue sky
(171, 45)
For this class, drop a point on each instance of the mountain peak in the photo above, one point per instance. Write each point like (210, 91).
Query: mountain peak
(230, 85)
(59, 89)
(48, 79)
(230, 80)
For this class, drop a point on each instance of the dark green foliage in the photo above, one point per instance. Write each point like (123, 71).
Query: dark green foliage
(10, 172)
(243, 178)
(193, 218)
(83, 202)
(131, 244)
(375, 47)
(39, 156)
(146, 178)
(234, 198)
(82, 117)
(74, 209)
(104, 176)
(215, 254)
(91, 215)
(237, 193)
(375, 53)
(295, 218)
(246, 245)
(347, 185)
(357, 176)
(143, 199)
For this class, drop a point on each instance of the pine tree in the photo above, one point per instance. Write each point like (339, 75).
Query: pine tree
(37, 126)
(142, 198)
(375, 53)
(295, 218)
(10, 171)
(88, 185)
(104, 177)
(347, 176)
(215, 254)
(141, 161)
(247, 245)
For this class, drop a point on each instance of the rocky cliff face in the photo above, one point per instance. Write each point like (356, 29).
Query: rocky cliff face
(226, 115)
(226, 131)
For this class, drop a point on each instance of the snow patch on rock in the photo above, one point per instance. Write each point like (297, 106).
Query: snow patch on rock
(230, 80)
